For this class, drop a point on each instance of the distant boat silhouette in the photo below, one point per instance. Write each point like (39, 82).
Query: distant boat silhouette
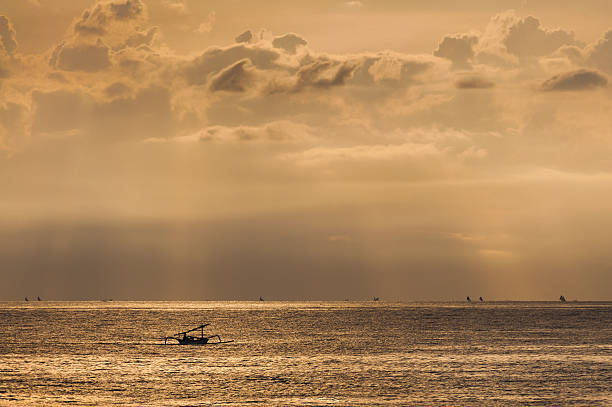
(562, 299)
(375, 299)
(469, 299)
(480, 298)
(38, 298)
(261, 299)
(26, 298)
(184, 338)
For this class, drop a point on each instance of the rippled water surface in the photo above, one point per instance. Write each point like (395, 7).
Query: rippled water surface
(301, 354)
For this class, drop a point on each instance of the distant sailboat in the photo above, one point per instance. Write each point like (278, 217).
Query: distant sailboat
(375, 299)
(562, 299)
(480, 298)
(38, 298)
(261, 299)
(469, 299)
(26, 298)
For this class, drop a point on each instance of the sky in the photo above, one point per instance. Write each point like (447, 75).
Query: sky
(305, 150)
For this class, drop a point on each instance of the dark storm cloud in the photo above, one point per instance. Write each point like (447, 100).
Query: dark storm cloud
(457, 48)
(81, 57)
(527, 38)
(473, 82)
(235, 78)
(289, 42)
(7, 35)
(96, 20)
(582, 79)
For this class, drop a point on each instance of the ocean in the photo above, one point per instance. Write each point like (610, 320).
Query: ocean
(307, 354)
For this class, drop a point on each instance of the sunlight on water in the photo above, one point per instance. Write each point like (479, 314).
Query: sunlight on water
(306, 354)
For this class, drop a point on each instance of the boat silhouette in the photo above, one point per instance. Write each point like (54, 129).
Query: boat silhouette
(183, 338)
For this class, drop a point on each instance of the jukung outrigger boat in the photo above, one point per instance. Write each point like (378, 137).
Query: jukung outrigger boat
(183, 338)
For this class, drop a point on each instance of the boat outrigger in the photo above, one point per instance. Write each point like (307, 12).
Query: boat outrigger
(183, 338)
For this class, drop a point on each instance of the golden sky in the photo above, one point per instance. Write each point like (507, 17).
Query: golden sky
(182, 149)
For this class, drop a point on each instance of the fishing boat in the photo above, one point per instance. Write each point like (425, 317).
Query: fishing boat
(184, 338)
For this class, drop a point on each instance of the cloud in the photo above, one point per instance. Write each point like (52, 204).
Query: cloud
(289, 42)
(207, 26)
(354, 4)
(573, 53)
(126, 10)
(117, 89)
(215, 59)
(394, 67)
(141, 38)
(324, 74)
(509, 40)
(235, 78)
(600, 54)
(282, 131)
(246, 36)
(98, 19)
(581, 79)
(457, 48)
(526, 38)
(8, 38)
(81, 57)
(473, 82)
(177, 6)
(110, 36)
(362, 153)
(412, 153)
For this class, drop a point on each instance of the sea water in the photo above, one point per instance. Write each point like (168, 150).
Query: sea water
(306, 354)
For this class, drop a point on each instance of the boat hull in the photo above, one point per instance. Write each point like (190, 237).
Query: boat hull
(193, 341)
